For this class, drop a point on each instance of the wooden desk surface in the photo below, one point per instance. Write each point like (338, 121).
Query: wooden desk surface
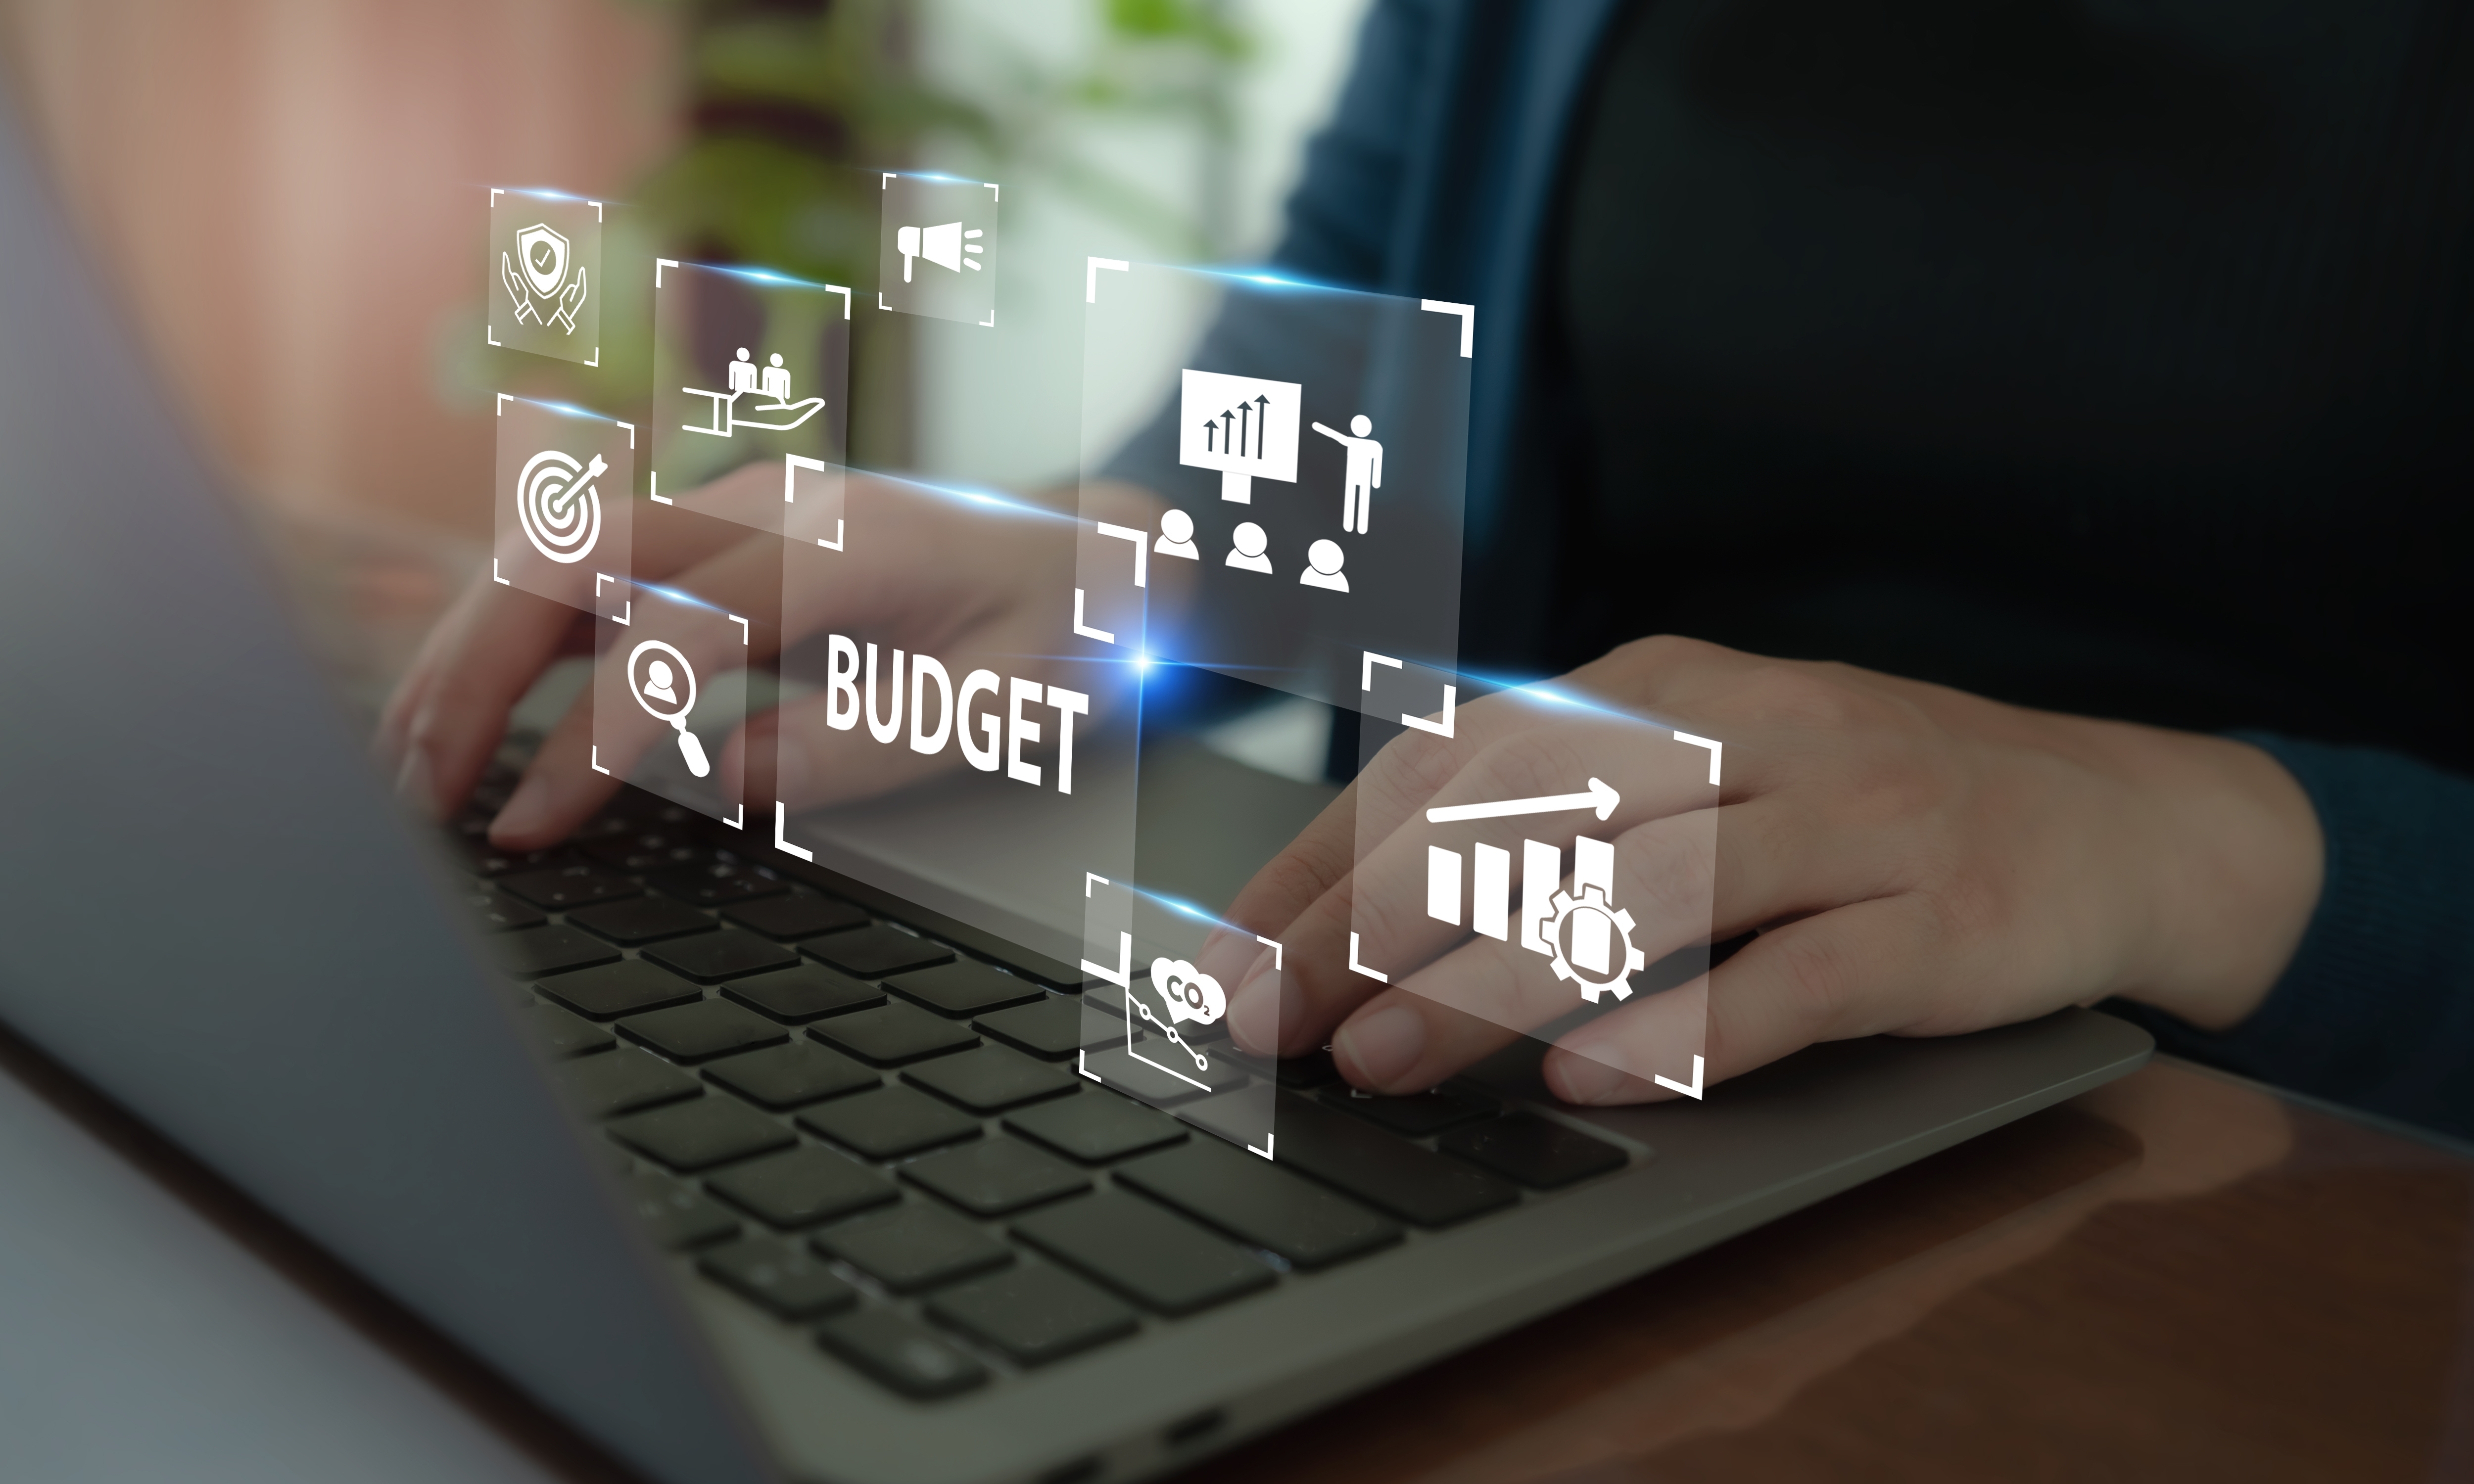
(2175, 1276)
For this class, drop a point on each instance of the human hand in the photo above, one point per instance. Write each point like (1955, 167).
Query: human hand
(967, 582)
(1915, 860)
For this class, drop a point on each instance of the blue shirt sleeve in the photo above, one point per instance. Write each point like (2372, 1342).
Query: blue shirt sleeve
(2377, 1007)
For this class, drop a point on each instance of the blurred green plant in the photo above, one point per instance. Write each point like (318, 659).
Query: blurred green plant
(794, 105)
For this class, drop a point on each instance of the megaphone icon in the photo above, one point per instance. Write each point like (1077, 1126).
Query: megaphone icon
(942, 245)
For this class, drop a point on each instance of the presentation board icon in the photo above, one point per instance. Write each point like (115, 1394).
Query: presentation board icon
(545, 274)
(1244, 426)
(938, 239)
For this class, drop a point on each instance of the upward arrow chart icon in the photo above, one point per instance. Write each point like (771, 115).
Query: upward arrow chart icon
(1601, 799)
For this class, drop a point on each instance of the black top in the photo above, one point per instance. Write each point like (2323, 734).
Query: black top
(2120, 369)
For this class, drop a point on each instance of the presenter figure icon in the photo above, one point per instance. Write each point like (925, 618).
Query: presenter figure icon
(653, 682)
(1363, 476)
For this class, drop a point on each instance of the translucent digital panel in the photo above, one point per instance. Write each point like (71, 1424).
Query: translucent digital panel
(1543, 862)
(936, 253)
(670, 691)
(1156, 1024)
(1298, 489)
(751, 381)
(545, 274)
(937, 736)
(565, 518)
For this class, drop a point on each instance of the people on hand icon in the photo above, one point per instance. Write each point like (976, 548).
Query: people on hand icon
(743, 374)
(777, 381)
(1248, 544)
(1176, 537)
(657, 682)
(1363, 476)
(1323, 566)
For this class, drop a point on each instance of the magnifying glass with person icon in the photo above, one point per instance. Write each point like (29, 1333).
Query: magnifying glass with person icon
(657, 684)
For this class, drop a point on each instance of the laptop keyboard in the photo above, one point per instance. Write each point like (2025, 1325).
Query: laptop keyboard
(881, 1137)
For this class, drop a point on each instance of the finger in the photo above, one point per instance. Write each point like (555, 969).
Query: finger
(480, 662)
(1857, 971)
(563, 786)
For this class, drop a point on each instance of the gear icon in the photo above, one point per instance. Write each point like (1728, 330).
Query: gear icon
(1594, 898)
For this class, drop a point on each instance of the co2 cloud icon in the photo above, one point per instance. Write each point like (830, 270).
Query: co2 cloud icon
(1191, 993)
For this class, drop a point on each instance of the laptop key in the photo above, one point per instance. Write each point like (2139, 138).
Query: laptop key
(901, 1355)
(1056, 975)
(501, 913)
(889, 1123)
(964, 988)
(891, 1035)
(698, 1135)
(562, 1035)
(1417, 1115)
(995, 1177)
(604, 1086)
(613, 990)
(532, 953)
(913, 1247)
(640, 920)
(781, 1279)
(732, 954)
(786, 1077)
(1096, 1128)
(874, 953)
(802, 915)
(566, 887)
(809, 992)
(679, 1216)
(1385, 1171)
(1259, 1203)
(990, 1079)
(1033, 1314)
(1534, 1151)
(716, 885)
(1153, 1257)
(799, 1187)
(1051, 1029)
(702, 1030)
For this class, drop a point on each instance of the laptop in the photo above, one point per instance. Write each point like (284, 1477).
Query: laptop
(752, 1170)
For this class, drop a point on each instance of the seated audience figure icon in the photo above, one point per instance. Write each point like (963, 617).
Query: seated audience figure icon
(742, 372)
(1324, 560)
(1176, 537)
(1246, 545)
(776, 382)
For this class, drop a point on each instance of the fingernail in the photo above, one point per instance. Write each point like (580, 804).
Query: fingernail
(1579, 1077)
(526, 814)
(1382, 1046)
(1259, 1008)
(414, 783)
